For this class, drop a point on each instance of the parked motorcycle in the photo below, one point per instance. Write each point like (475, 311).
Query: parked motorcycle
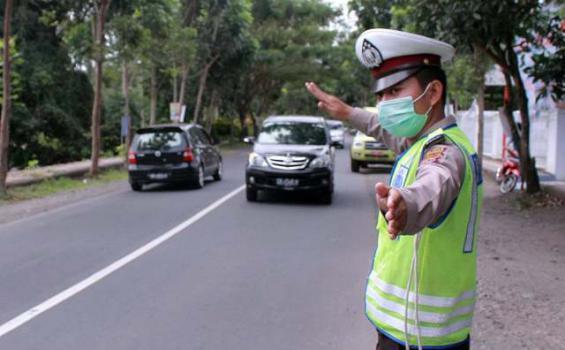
(508, 174)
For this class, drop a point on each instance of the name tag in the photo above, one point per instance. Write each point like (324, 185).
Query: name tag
(400, 176)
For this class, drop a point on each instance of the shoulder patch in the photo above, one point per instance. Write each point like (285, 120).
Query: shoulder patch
(438, 139)
(434, 153)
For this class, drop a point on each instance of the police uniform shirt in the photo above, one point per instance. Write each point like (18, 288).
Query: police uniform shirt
(439, 175)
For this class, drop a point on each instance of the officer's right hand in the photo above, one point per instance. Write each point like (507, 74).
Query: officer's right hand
(393, 206)
(329, 103)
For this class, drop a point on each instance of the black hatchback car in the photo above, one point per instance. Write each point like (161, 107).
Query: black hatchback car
(292, 153)
(179, 153)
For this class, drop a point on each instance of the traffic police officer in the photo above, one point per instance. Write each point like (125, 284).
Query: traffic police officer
(421, 291)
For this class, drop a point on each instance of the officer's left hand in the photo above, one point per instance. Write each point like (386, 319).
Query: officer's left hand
(393, 206)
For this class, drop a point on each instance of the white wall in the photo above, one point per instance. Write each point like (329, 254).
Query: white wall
(546, 135)
(556, 144)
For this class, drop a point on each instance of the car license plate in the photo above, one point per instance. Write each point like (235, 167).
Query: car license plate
(158, 176)
(284, 182)
(377, 153)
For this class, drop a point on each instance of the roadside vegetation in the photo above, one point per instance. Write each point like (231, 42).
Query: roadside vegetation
(62, 184)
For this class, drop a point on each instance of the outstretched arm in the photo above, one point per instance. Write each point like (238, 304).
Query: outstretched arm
(363, 120)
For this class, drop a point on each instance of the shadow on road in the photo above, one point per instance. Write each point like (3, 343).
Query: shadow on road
(376, 169)
(290, 198)
(170, 187)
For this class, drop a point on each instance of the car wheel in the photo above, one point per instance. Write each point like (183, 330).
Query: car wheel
(220, 172)
(355, 165)
(136, 186)
(251, 194)
(199, 180)
(326, 198)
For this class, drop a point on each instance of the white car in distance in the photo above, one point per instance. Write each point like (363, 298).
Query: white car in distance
(337, 132)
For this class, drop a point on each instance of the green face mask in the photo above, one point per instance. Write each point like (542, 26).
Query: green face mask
(399, 118)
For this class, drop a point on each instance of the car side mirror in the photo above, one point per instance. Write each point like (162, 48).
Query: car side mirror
(249, 139)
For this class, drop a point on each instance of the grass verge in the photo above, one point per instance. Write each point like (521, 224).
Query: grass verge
(52, 186)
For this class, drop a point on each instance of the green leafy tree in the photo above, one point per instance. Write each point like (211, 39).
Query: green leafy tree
(181, 49)
(292, 44)
(77, 21)
(157, 20)
(50, 114)
(126, 35)
(547, 49)
(498, 29)
(223, 34)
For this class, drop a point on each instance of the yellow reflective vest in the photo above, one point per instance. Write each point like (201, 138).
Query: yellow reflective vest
(422, 287)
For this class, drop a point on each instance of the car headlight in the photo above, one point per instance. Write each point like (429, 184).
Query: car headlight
(358, 144)
(257, 160)
(320, 162)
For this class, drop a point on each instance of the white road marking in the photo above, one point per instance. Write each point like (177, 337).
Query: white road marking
(97, 276)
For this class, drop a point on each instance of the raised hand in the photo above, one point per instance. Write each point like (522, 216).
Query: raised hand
(329, 103)
(393, 206)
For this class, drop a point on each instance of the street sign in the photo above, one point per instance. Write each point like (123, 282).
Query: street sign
(182, 113)
(174, 110)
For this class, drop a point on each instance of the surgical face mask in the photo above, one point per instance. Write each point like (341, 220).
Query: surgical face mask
(399, 118)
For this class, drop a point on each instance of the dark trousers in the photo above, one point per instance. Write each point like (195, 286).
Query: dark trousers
(386, 343)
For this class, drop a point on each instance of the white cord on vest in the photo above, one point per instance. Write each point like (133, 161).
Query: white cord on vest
(413, 272)
(417, 283)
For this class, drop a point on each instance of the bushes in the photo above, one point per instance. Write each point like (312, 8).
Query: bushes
(226, 129)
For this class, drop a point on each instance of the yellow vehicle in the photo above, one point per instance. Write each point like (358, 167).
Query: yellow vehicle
(367, 150)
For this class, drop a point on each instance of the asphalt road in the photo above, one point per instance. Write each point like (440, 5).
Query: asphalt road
(284, 273)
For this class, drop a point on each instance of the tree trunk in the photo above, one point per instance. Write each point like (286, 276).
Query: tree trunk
(479, 60)
(201, 88)
(125, 91)
(6, 100)
(97, 105)
(242, 114)
(527, 163)
(184, 77)
(212, 114)
(480, 120)
(175, 88)
(153, 93)
(255, 127)
(509, 113)
(142, 109)
(204, 75)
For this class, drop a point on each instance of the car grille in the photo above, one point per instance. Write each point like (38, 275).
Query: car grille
(374, 145)
(288, 162)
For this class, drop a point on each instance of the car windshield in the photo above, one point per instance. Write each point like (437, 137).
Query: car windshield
(293, 134)
(159, 141)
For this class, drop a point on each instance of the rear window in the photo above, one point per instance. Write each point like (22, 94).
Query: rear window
(159, 141)
(293, 134)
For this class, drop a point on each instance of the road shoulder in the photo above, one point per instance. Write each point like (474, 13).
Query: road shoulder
(16, 211)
